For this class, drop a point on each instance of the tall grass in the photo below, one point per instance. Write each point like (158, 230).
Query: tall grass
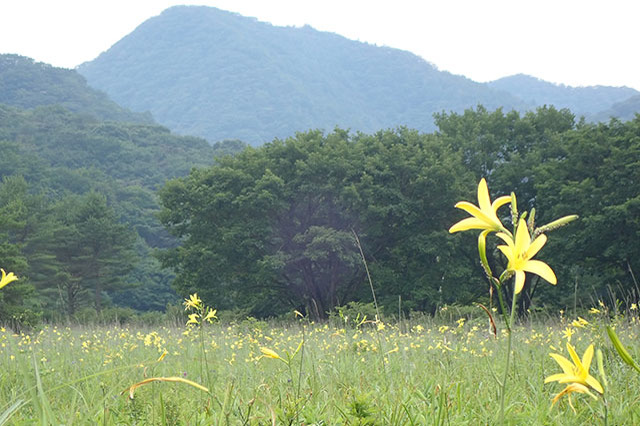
(433, 372)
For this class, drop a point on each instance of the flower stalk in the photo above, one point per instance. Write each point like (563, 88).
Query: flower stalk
(519, 248)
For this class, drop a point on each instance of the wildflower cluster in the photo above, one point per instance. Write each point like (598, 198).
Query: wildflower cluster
(519, 248)
(200, 312)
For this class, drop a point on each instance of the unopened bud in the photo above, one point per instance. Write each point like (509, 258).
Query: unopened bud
(603, 376)
(514, 209)
(555, 224)
(531, 222)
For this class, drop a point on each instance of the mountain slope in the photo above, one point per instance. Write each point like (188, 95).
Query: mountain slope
(625, 110)
(25, 83)
(61, 154)
(219, 75)
(586, 101)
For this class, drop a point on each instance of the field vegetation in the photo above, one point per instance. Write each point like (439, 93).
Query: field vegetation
(441, 369)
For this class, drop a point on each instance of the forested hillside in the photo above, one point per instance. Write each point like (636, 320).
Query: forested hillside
(219, 75)
(25, 83)
(215, 74)
(78, 209)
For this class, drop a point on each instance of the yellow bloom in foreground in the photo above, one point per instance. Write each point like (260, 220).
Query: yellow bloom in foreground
(520, 252)
(576, 374)
(485, 215)
(6, 278)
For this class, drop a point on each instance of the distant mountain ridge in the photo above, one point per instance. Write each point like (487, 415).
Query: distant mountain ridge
(216, 74)
(25, 83)
(219, 75)
(587, 101)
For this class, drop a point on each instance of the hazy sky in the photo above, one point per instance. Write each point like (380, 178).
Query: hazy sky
(574, 42)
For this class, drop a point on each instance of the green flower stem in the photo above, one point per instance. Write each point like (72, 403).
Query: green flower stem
(503, 307)
(503, 385)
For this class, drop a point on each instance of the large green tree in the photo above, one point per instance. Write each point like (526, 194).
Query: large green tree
(275, 227)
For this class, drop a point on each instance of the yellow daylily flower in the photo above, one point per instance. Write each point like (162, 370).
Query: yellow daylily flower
(269, 353)
(211, 315)
(193, 319)
(575, 373)
(485, 215)
(7, 278)
(520, 252)
(192, 302)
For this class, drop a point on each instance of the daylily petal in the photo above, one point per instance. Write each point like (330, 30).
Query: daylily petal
(587, 357)
(507, 252)
(506, 238)
(535, 246)
(595, 384)
(466, 224)
(484, 202)
(564, 363)
(499, 202)
(540, 268)
(519, 281)
(573, 387)
(474, 211)
(574, 357)
(559, 377)
(522, 237)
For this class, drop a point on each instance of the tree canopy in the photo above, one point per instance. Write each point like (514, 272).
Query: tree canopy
(275, 227)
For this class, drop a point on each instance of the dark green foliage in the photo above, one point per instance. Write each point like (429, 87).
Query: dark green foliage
(25, 83)
(265, 230)
(51, 156)
(595, 173)
(561, 168)
(17, 304)
(273, 228)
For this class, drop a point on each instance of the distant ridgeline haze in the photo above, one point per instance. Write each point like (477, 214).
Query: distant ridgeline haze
(216, 74)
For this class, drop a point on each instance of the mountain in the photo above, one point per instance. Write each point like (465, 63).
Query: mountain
(625, 110)
(219, 75)
(25, 83)
(582, 101)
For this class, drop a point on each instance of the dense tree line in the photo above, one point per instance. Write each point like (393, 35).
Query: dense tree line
(292, 223)
(275, 227)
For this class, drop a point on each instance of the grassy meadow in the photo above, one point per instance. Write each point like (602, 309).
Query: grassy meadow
(419, 371)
